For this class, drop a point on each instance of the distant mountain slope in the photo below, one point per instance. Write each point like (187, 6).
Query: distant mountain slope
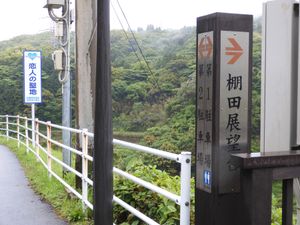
(153, 82)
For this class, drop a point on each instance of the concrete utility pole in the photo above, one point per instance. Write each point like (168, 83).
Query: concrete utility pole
(61, 59)
(86, 49)
(66, 86)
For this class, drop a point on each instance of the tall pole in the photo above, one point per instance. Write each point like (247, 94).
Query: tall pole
(66, 86)
(103, 177)
(63, 66)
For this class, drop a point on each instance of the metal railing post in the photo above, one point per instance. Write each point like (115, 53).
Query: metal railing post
(85, 164)
(7, 128)
(49, 149)
(18, 130)
(26, 134)
(37, 138)
(185, 187)
(184, 159)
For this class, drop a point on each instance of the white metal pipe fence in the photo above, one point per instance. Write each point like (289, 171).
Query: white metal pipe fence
(41, 139)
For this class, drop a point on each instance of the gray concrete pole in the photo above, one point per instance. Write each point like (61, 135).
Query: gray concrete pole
(66, 89)
(66, 121)
(86, 48)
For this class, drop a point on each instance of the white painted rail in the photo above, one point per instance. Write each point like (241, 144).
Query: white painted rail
(17, 128)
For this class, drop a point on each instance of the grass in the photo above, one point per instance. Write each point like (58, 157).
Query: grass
(51, 190)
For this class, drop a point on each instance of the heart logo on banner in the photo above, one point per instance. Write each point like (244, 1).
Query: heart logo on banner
(32, 56)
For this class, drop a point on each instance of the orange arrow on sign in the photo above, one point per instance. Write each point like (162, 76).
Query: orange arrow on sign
(205, 47)
(235, 51)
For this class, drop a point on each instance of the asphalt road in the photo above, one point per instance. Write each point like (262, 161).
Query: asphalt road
(19, 205)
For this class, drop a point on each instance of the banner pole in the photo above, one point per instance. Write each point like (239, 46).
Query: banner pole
(33, 124)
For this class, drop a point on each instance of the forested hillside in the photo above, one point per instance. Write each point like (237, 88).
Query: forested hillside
(153, 91)
(161, 102)
(11, 77)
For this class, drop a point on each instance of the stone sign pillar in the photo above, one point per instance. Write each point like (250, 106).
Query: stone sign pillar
(224, 76)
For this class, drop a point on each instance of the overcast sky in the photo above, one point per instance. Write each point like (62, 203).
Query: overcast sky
(29, 17)
(179, 13)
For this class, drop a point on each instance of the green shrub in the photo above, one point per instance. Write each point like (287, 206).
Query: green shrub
(155, 206)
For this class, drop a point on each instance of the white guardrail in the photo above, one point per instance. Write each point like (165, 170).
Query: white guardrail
(17, 127)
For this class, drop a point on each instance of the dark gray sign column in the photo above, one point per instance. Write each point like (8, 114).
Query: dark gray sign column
(224, 71)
